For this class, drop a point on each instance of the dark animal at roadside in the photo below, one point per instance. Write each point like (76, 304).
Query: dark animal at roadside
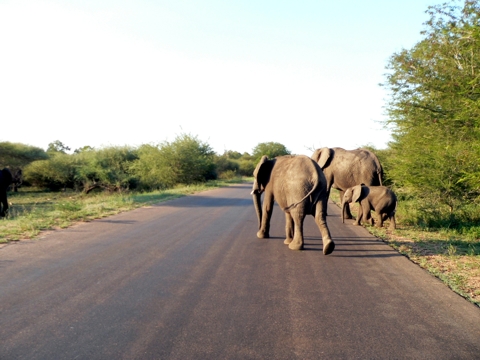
(5, 181)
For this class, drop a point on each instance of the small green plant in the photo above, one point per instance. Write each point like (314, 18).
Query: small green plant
(451, 250)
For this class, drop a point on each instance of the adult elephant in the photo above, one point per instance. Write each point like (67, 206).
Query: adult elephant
(344, 169)
(5, 181)
(298, 186)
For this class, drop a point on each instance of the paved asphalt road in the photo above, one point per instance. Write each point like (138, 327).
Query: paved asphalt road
(188, 279)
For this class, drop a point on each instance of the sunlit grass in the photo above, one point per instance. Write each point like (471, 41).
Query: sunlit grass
(451, 254)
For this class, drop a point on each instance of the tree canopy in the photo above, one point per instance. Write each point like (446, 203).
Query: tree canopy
(16, 155)
(271, 149)
(434, 107)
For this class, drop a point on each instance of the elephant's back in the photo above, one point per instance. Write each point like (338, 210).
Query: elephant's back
(355, 167)
(293, 178)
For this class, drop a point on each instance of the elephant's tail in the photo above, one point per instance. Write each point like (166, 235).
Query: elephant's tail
(379, 171)
(316, 183)
(298, 202)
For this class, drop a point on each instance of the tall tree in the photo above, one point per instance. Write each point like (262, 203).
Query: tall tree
(271, 149)
(57, 147)
(434, 109)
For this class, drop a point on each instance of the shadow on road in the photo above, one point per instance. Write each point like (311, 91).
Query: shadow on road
(127, 222)
(205, 201)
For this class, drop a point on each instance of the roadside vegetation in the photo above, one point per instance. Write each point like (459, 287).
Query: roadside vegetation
(432, 162)
(36, 210)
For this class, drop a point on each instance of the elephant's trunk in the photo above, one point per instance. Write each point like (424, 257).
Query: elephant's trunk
(257, 203)
(344, 209)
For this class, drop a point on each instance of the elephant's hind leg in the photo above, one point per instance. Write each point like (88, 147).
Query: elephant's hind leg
(297, 241)
(393, 224)
(320, 220)
(289, 228)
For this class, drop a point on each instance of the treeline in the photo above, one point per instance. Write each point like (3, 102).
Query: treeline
(186, 160)
(433, 162)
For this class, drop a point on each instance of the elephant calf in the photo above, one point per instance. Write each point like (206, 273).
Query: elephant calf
(378, 198)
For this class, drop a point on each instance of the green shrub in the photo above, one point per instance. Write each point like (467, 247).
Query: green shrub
(186, 160)
(54, 173)
(228, 175)
(108, 168)
(246, 167)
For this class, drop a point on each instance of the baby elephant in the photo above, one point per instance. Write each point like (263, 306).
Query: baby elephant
(378, 198)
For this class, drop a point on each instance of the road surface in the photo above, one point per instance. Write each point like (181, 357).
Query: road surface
(188, 279)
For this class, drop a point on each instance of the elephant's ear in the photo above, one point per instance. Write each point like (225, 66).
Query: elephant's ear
(262, 174)
(262, 161)
(358, 193)
(322, 156)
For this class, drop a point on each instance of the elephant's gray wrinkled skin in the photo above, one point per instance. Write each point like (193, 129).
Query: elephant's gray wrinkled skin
(378, 198)
(298, 186)
(5, 181)
(346, 168)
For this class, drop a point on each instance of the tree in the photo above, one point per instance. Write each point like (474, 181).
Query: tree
(108, 168)
(57, 146)
(434, 109)
(83, 148)
(186, 160)
(54, 173)
(17, 155)
(271, 149)
(227, 166)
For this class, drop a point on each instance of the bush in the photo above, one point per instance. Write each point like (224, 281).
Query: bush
(246, 167)
(228, 175)
(108, 168)
(186, 160)
(54, 173)
(224, 164)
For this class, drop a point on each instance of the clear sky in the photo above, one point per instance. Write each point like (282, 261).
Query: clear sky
(304, 73)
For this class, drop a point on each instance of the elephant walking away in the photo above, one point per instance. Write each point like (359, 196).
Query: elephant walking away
(378, 198)
(5, 181)
(346, 168)
(298, 186)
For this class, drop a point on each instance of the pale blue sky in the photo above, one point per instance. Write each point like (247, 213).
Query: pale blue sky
(233, 73)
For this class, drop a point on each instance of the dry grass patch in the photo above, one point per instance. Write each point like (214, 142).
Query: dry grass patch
(453, 258)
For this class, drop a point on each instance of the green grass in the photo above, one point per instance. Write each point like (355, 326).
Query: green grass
(33, 211)
(451, 254)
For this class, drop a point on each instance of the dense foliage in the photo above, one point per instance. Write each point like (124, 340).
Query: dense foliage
(271, 149)
(186, 160)
(434, 110)
(16, 155)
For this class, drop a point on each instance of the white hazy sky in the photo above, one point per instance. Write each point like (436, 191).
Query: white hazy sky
(304, 73)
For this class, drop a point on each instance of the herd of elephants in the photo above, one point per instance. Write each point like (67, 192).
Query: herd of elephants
(301, 186)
